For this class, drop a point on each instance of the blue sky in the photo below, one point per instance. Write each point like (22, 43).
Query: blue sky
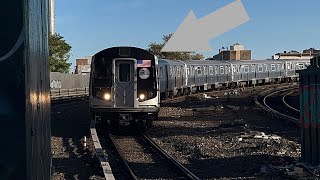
(275, 25)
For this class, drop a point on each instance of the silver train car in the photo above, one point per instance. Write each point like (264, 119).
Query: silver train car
(186, 77)
(124, 87)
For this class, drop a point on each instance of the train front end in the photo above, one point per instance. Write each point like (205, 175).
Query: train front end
(124, 87)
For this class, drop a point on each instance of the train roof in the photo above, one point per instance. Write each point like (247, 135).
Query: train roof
(205, 62)
(264, 61)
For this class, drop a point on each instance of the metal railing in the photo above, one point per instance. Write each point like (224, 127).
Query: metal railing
(58, 94)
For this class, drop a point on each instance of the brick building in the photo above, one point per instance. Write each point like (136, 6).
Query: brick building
(83, 65)
(305, 54)
(236, 52)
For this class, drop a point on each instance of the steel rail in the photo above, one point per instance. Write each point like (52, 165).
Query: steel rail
(176, 163)
(266, 108)
(287, 104)
(124, 161)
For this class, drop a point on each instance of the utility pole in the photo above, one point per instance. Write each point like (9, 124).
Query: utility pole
(52, 16)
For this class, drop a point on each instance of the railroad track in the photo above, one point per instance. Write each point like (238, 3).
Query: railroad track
(270, 103)
(140, 156)
(288, 104)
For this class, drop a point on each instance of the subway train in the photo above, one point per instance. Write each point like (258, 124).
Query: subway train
(126, 83)
(186, 77)
(124, 87)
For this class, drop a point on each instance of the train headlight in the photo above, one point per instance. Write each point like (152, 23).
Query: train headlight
(107, 96)
(142, 97)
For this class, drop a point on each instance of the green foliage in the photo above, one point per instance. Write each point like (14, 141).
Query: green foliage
(59, 54)
(155, 48)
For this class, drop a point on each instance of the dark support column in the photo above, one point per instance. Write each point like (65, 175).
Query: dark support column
(25, 129)
(309, 113)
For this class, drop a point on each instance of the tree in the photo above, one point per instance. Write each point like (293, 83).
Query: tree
(59, 54)
(155, 48)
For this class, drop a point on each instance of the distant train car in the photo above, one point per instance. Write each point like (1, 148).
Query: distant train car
(172, 77)
(291, 65)
(204, 75)
(124, 86)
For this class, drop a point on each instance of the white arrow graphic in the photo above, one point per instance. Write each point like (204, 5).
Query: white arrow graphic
(194, 34)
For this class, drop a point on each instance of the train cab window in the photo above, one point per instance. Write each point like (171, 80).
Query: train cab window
(161, 72)
(233, 69)
(260, 68)
(210, 70)
(292, 66)
(188, 71)
(288, 66)
(279, 65)
(199, 71)
(273, 67)
(253, 67)
(124, 72)
(221, 70)
(246, 69)
(266, 67)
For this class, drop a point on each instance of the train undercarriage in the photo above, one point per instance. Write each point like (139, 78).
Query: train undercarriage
(115, 121)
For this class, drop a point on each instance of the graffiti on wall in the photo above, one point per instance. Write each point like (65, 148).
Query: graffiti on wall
(55, 84)
(310, 97)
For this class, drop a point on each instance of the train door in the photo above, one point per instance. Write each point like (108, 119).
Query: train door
(124, 86)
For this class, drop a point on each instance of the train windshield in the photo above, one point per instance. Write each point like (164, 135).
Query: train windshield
(103, 73)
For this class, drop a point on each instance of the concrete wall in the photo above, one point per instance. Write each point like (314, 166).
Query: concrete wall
(68, 81)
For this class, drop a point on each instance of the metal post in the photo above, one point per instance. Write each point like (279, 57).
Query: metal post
(25, 94)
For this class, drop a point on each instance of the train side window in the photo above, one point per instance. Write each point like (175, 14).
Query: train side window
(191, 71)
(124, 72)
(233, 69)
(266, 67)
(178, 71)
(260, 69)
(205, 70)
(221, 70)
(246, 69)
(188, 71)
(161, 72)
(238, 69)
(171, 72)
(199, 71)
(288, 66)
(253, 67)
(273, 67)
(301, 66)
(211, 70)
(279, 65)
(216, 69)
